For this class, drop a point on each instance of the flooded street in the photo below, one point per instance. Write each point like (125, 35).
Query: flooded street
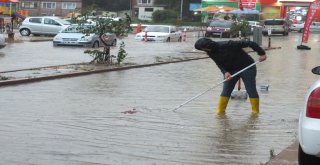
(126, 117)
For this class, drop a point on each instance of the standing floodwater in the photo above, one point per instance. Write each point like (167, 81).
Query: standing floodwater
(125, 117)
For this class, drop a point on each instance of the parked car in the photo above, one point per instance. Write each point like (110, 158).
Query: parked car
(252, 25)
(219, 28)
(43, 25)
(276, 26)
(2, 41)
(159, 33)
(309, 122)
(314, 27)
(73, 36)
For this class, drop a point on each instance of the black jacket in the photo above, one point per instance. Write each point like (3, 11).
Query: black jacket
(230, 57)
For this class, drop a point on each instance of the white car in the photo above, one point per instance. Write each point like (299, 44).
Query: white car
(73, 36)
(2, 41)
(159, 33)
(275, 26)
(309, 126)
(314, 27)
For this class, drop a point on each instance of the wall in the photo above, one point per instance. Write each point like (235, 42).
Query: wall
(147, 15)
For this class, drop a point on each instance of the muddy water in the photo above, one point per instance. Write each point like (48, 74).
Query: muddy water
(125, 117)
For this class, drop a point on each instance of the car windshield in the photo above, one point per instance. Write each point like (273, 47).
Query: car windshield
(76, 28)
(64, 22)
(273, 22)
(225, 24)
(164, 29)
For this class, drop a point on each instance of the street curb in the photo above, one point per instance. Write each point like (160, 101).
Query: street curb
(81, 73)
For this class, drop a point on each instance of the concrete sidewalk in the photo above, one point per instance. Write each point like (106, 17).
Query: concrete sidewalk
(289, 156)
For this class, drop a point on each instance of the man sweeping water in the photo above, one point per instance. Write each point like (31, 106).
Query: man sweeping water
(231, 58)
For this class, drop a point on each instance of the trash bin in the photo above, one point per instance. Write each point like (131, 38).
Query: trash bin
(257, 35)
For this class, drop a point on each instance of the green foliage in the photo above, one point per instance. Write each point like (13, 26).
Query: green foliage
(99, 57)
(101, 26)
(4, 78)
(164, 15)
(121, 53)
(242, 26)
(171, 4)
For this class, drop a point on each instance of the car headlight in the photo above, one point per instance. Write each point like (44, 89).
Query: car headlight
(86, 38)
(138, 36)
(227, 29)
(57, 38)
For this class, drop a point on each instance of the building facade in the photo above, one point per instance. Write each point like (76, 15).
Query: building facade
(270, 9)
(50, 7)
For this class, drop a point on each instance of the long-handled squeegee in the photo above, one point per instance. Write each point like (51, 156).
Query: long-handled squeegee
(214, 86)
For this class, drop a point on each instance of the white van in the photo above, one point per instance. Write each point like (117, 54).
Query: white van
(42, 25)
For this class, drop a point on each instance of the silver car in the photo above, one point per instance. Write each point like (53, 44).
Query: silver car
(73, 36)
(43, 25)
(275, 26)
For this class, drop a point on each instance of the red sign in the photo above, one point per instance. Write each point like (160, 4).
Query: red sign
(240, 5)
(310, 16)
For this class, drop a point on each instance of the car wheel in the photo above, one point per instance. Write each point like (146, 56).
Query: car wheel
(306, 159)
(95, 44)
(180, 39)
(300, 30)
(168, 39)
(25, 32)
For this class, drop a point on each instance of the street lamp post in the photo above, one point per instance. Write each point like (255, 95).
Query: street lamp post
(181, 9)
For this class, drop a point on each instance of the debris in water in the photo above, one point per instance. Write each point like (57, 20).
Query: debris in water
(131, 111)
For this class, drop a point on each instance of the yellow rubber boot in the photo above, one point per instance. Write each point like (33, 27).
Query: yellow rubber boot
(254, 105)
(222, 104)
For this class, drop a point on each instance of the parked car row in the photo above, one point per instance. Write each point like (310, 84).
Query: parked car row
(221, 28)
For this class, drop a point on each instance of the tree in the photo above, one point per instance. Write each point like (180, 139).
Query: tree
(100, 27)
(164, 16)
(242, 26)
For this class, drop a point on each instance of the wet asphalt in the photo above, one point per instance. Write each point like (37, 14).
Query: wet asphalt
(126, 117)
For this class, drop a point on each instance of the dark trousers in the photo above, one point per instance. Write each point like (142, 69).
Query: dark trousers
(249, 79)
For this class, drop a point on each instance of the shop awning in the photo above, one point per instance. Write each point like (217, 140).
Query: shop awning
(214, 8)
(244, 11)
(14, 1)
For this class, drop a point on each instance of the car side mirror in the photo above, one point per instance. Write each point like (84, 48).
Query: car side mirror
(316, 70)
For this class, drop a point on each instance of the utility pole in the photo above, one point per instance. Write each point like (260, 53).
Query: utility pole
(181, 9)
